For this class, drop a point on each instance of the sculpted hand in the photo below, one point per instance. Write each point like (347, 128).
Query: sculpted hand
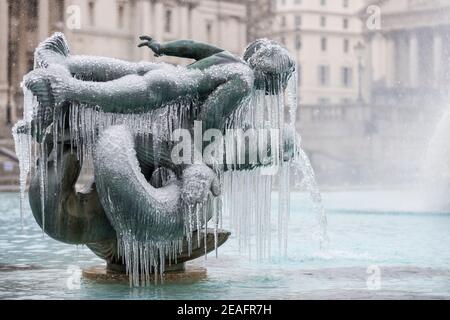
(48, 85)
(152, 44)
(197, 182)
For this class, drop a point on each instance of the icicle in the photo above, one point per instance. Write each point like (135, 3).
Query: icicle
(23, 147)
(247, 194)
(246, 199)
(23, 144)
(144, 259)
(43, 180)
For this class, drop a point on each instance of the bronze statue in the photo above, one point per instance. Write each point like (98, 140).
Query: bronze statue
(150, 207)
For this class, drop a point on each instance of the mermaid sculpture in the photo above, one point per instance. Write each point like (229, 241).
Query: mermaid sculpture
(142, 210)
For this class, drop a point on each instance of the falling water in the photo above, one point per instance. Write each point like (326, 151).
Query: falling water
(435, 175)
(247, 194)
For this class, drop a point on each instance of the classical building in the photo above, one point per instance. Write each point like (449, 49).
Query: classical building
(323, 36)
(408, 56)
(260, 18)
(107, 28)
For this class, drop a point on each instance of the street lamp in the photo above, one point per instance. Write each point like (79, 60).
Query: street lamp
(359, 51)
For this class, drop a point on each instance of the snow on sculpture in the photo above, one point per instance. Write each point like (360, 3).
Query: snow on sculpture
(145, 210)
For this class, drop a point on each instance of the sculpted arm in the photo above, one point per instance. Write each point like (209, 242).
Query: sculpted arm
(128, 94)
(106, 69)
(55, 51)
(181, 48)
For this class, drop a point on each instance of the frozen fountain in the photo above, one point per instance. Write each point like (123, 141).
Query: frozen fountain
(146, 213)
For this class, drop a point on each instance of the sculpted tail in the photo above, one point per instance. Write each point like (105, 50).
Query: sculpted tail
(53, 50)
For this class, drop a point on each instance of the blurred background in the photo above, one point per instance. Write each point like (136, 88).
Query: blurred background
(374, 75)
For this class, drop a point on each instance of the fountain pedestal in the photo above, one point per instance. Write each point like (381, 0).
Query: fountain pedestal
(174, 272)
(186, 274)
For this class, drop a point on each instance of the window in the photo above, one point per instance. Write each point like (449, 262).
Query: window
(346, 76)
(120, 16)
(60, 10)
(168, 21)
(283, 21)
(298, 2)
(346, 45)
(298, 42)
(91, 13)
(209, 31)
(324, 101)
(345, 3)
(323, 44)
(298, 21)
(283, 41)
(324, 75)
(323, 21)
(345, 23)
(32, 9)
(30, 60)
(323, 2)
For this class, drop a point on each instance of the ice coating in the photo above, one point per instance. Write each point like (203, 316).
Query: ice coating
(103, 120)
(23, 143)
(147, 229)
(23, 151)
(247, 194)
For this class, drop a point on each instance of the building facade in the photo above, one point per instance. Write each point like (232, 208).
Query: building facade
(405, 88)
(408, 57)
(107, 28)
(260, 18)
(323, 36)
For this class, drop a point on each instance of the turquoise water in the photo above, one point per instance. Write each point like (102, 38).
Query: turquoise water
(381, 231)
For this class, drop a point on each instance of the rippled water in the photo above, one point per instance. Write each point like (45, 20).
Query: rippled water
(374, 230)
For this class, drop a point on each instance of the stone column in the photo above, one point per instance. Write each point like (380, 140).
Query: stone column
(145, 26)
(160, 21)
(43, 20)
(190, 20)
(390, 59)
(437, 58)
(368, 65)
(413, 60)
(184, 22)
(4, 35)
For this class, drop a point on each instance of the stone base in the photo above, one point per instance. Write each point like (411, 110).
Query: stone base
(189, 274)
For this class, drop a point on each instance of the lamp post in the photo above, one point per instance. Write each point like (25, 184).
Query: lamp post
(359, 51)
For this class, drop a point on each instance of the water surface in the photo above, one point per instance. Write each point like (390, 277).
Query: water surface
(369, 232)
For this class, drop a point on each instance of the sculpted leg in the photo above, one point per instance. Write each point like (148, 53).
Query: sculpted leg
(150, 213)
